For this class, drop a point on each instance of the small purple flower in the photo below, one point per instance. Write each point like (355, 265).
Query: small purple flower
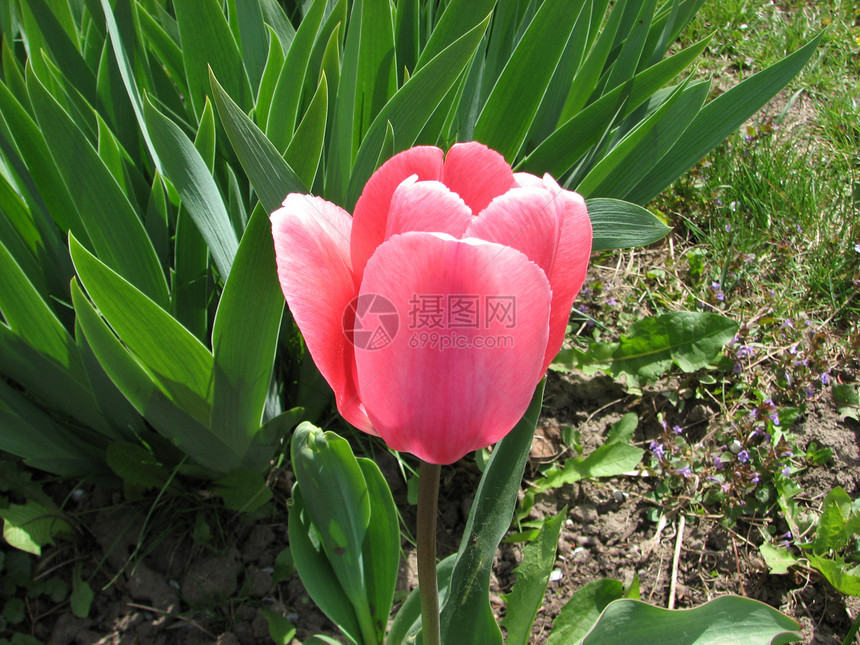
(774, 418)
(753, 413)
(677, 429)
(728, 227)
(720, 296)
(737, 368)
(718, 463)
(743, 456)
(786, 536)
(658, 450)
(745, 351)
(749, 257)
(756, 478)
(825, 378)
(798, 228)
(787, 324)
(685, 471)
(786, 470)
(715, 286)
(793, 349)
(809, 392)
(611, 301)
(726, 487)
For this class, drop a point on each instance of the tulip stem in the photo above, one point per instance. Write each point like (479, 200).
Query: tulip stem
(428, 497)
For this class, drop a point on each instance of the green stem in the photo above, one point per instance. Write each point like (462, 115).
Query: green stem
(428, 497)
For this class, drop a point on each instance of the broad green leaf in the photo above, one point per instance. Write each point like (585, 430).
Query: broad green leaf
(689, 339)
(467, 617)
(338, 504)
(778, 559)
(167, 50)
(616, 173)
(281, 630)
(274, 15)
(28, 315)
(244, 338)
(27, 431)
(729, 619)
(31, 526)
(305, 150)
(523, 82)
(526, 597)
(270, 175)
(718, 119)
(190, 289)
(838, 573)
(381, 554)
(81, 598)
(407, 39)
(408, 110)
(243, 490)
(63, 49)
(576, 135)
(830, 529)
(136, 465)
(204, 138)
(253, 39)
(627, 60)
(208, 43)
(271, 73)
(179, 362)
(187, 171)
(23, 239)
(143, 391)
(619, 225)
(583, 609)
(114, 228)
(367, 80)
(116, 106)
(459, 18)
(283, 111)
(316, 572)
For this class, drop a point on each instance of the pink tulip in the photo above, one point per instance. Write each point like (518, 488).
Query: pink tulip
(434, 311)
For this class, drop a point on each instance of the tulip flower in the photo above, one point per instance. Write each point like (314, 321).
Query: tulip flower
(434, 310)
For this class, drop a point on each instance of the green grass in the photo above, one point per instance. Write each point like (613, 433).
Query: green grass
(786, 188)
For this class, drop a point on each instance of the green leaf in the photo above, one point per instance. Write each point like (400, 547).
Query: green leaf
(270, 175)
(31, 526)
(830, 530)
(778, 559)
(381, 554)
(411, 107)
(729, 619)
(136, 465)
(523, 82)
(243, 491)
(187, 171)
(837, 573)
(689, 339)
(253, 38)
(112, 224)
(305, 150)
(126, 71)
(616, 174)
(466, 615)
(252, 300)
(459, 18)
(337, 501)
(583, 609)
(176, 359)
(583, 129)
(281, 630)
(82, 594)
(367, 80)
(407, 623)
(620, 225)
(283, 111)
(718, 119)
(274, 63)
(532, 573)
(208, 43)
(316, 572)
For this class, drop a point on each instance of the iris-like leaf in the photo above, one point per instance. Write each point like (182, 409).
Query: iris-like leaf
(619, 225)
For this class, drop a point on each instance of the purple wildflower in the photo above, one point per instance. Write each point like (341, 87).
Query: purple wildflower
(743, 456)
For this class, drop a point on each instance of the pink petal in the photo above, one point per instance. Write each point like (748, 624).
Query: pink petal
(427, 206)
(477, 174)
(571, 262)
(312, 253)
(371, 211)
(527, 219)
(440, 402)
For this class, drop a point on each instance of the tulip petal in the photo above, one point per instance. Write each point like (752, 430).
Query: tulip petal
(312, 254)
(458, 381)
(371, 210)
(477, 174)
(571, 262)
(527, 219)
(427, 206)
